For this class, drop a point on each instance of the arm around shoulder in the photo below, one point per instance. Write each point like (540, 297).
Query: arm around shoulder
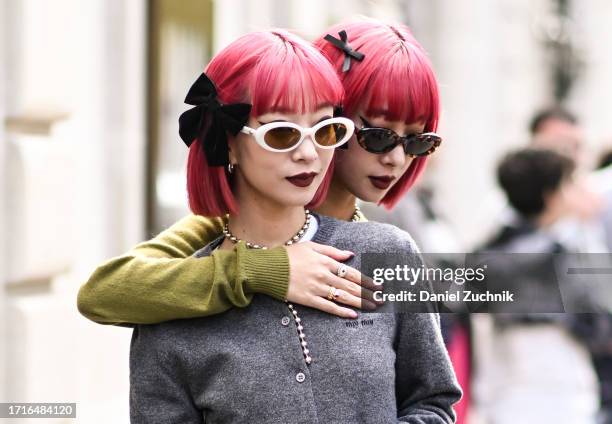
(159, 280)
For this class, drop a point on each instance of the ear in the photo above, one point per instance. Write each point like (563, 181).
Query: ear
(231, 147)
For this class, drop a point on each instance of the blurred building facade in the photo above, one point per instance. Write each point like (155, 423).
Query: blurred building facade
(91, 162)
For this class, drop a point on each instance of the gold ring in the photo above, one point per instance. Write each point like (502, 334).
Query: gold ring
(331, 294)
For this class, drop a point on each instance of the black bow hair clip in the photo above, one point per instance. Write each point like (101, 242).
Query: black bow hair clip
(210, 121)
(343, 45)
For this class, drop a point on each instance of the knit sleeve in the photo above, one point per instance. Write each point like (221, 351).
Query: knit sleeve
(426, 386)
(159, 280)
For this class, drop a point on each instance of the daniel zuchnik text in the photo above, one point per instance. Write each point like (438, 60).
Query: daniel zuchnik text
(463, 296)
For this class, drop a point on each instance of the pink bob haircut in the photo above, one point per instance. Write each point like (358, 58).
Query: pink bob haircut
(395, 79)
(275, 71)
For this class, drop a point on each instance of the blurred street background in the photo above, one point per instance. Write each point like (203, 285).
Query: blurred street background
(91, 162)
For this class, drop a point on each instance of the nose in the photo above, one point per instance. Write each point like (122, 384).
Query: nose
(306, 151)
(395, 158)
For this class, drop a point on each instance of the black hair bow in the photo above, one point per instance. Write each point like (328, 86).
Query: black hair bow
(211, 119)
(343, 45)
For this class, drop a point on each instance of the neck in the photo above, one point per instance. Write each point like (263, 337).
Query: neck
(340, 203)
(264, 222)
(546, 219)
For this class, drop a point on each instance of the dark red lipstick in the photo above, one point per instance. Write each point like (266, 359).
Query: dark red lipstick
(302, 180)
(381, 183)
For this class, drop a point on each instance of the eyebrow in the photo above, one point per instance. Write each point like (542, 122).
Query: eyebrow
(290, 110)
(369, 125)
(284, 120)
(276, 120)
(378, 112)
(386, 114)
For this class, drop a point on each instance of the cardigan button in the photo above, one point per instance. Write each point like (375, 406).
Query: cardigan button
(300, 377)
(285, 321)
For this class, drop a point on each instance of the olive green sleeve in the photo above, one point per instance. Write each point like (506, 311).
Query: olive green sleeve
(159, 280)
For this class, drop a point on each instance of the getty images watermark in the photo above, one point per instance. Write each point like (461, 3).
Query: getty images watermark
(490, 282)
(459, 276)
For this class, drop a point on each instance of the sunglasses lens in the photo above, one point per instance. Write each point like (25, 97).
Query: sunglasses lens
(282, 137)
(330, 135)
(420, 144)
(376, 140)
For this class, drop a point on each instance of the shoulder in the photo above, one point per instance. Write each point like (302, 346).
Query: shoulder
(367, 236)
(197, 224)
(209, 248)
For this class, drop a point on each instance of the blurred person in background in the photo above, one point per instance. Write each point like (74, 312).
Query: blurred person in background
(543, 370)
(601, 180)
(598, 327)
(590, 230)
(557, 129)
(605, 160)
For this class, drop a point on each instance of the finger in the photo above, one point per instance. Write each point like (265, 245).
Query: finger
(341, 296)
(358, 296)
(354, 301)
(332, 252)
(353, 275)
(369, 284)
(341, 283)
(333, 308)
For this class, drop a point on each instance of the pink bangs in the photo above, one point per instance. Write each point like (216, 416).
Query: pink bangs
(276, 72)
(399, 90)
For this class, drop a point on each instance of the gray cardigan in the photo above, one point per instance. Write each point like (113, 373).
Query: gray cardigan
(246, 365)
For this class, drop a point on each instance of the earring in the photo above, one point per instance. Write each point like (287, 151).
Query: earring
(230, 168)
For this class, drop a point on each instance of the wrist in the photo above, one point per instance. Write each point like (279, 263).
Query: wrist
(265, 271)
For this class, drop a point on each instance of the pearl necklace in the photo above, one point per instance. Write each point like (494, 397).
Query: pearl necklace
(356, 215)
(228, 234)
(296, 318)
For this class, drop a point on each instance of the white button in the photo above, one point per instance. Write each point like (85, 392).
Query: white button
(300, 377)
(285, 321)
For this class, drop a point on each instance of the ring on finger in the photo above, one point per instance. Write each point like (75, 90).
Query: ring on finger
(342, 271)
(332, 293)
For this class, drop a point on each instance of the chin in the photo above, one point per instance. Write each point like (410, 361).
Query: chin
(295, 199)
(369, 195)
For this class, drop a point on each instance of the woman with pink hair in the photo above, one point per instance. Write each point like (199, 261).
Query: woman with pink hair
(261, 139)
(392, 97)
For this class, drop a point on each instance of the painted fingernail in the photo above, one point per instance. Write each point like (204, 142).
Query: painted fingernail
(371, 306)
(353, 314)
